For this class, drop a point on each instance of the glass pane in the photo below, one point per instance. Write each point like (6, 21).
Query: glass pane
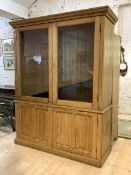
(34, 63)
(75, 62)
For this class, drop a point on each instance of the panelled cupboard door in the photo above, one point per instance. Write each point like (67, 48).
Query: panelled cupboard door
(76, 62)
(75, 131)
(26, 122)
(34, 123)
(44, 125)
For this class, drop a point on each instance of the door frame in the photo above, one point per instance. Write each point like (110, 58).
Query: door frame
(56, 101)
(18, 58)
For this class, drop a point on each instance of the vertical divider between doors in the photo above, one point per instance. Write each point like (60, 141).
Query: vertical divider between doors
(55, 62)
(50, 51)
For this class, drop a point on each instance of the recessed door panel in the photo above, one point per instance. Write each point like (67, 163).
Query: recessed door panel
(34, 123)
(75, 131)
(44, 125)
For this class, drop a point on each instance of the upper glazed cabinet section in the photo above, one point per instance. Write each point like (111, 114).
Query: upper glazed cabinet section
(58, 57)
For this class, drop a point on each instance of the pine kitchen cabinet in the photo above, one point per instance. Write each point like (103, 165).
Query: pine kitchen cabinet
(67, 79)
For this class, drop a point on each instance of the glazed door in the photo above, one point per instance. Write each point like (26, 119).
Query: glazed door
(75, 62)
(33, 64)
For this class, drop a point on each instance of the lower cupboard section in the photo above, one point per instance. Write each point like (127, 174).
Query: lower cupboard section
(71, 133)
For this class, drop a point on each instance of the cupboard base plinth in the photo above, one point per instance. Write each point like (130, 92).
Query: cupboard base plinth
(83, 159)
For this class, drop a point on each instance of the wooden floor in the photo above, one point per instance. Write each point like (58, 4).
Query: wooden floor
(19, 160)
(124, 116)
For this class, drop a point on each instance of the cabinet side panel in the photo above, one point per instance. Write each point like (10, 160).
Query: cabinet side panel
(105, 72)
(115, 94)
(104, 134)
(106, 131)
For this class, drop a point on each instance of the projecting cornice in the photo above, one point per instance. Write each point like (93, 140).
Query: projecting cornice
(91, 12)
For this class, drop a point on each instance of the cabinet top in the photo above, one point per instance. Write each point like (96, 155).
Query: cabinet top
(91, 12)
